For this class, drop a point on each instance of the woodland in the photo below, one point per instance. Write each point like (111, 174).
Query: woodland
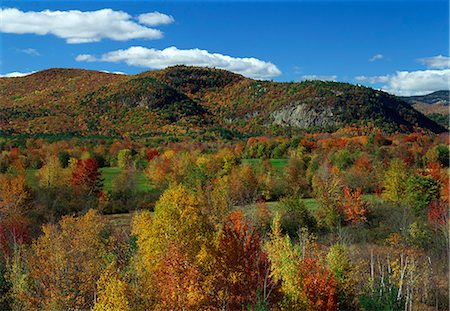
(355, 219)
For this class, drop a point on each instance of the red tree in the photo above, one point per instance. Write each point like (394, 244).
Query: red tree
(243, 268)
(319, 285)
(150, 154)
(355, 209)
(86, 177)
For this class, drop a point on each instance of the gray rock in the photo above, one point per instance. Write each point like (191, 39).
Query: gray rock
(304, 115)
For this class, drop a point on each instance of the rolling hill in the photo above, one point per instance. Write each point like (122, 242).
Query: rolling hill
(434, 105)
(192, 101)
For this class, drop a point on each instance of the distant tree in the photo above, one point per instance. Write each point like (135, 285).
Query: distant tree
(354, 207)
(124, 158)
(52, 174)
(86, 177)
(327, 187)
(295, 175)
(15, 207)
(421, 191)
(395, 182)
(295, 216)
(443, 154)
(151, 154)
(243, 185)
(124, 190)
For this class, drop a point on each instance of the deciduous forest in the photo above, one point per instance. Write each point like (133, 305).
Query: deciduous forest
(349, 220)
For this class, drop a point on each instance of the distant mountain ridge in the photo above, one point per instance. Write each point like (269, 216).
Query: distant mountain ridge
(434, 105)
(438, 97)
(192, 101)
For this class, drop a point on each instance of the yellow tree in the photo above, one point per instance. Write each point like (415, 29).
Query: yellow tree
(52, 174)
(15, 203)
(395, 182)
(112, 291)
(177, 220)
(15, 195)
(66, 262)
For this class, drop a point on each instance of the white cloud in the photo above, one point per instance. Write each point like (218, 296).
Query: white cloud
(16, 74)
(85, 58)
(76, 26)
(155, 19)
(436, 62)
(376, 57)
(29, 51)
(151, 58)
(408, 83)
(373, 79)
(319, 77)
(115, 72)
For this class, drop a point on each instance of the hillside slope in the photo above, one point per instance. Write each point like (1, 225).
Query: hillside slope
(191, 101)
(434, 105)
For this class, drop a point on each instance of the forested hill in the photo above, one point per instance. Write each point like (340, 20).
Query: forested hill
(192, 101)
(438, 97)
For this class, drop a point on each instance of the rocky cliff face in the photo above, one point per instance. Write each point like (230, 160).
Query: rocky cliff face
(304, 116)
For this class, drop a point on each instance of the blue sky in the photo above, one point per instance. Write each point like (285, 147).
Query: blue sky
(399, 46)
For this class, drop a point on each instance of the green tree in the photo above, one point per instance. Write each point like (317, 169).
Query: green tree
(327, 189)
(338, 262)
(124, 158)
(420, 191)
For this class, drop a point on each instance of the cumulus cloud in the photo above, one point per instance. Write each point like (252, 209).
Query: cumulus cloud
(76, 26)
(157, 59)
(436, 62)
(29, 51)
(319, 77)
(155, 19)
(373, 79)
(115, 72)
(85, 58)
(408, 83)
(16, 74)
(376, 57)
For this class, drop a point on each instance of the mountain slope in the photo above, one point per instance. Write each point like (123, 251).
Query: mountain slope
(437, 97)
(191, 101)
(435, 106)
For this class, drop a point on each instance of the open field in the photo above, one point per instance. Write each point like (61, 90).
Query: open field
(108, 175)
(278, 164)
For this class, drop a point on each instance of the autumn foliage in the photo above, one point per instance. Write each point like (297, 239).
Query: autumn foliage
(319, 285)
(355, 208)
(86, 177)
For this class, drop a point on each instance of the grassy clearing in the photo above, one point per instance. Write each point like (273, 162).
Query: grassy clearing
(108, 175)
(278, 164)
